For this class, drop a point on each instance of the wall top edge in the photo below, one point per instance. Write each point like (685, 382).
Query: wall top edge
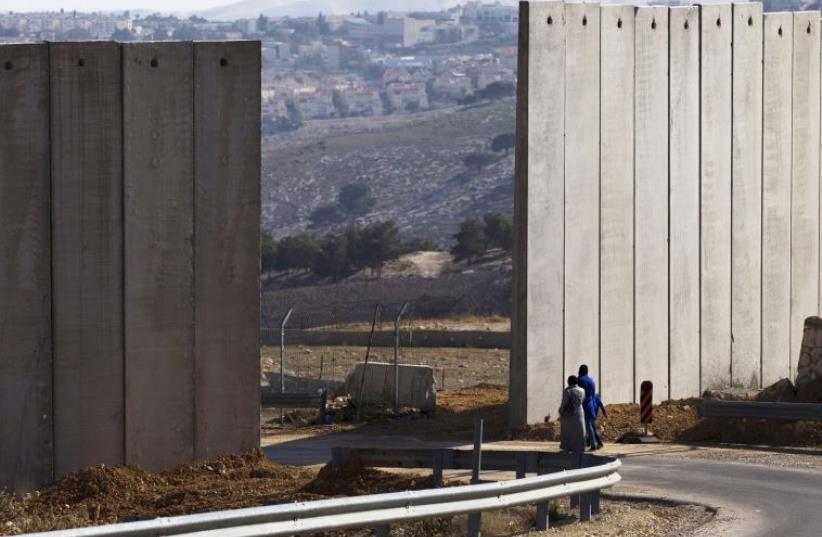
(130, 44)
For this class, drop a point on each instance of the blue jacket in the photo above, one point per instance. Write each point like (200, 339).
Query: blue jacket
(590, 403)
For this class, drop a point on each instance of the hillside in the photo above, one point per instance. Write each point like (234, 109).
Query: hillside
(309, 8)
(413, 164)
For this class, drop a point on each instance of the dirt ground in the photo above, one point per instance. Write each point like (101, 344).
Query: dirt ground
(101, 495)
(674, 421)
(490, 323)
(453, 367)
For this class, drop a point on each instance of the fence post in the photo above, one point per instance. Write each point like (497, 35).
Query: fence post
(475, 519)
(365, 364)
(282, 360)
(397, 357)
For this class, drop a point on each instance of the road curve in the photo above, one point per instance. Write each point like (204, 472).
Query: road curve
(752, 499)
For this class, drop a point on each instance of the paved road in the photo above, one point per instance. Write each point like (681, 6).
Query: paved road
(753, 500)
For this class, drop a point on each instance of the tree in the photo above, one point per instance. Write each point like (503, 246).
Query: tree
(122, 34)
(333, 259)
(297, 252)
(355, 199)
(499, 231)
(478, 160)
(498, 90)
(374, 244)
(471, 239)
(268, 253)
(503, 142)
(419, 244)
(340, 103)
(326, 214)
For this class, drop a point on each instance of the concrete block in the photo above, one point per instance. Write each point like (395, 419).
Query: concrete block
(616, 230)
(582, 198)
(651, 201)
(159, 257)
(87, 226)
(537, 358)
(776, 196)
(25, 269)
(746, 217)
(805, 179)
(227, 246)
(683, 297)
(715, 181)
(416, 385)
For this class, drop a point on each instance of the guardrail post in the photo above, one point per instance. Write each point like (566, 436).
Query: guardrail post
(542, 519)
(595, 502)
(474, 523)
(585, 507)
(382, 531)
(576, 462)
(475, 519)
(522, 461)
(436, 467)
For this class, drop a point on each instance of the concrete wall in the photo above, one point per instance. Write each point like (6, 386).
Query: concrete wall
(667, 198)
(129, 220)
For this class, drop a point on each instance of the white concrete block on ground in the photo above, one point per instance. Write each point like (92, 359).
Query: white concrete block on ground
(417, 385)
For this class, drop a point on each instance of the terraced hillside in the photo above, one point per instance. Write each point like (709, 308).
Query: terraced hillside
(413, 163)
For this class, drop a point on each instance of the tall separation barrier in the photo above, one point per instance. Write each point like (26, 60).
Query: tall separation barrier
(129, 255)
(667, 198)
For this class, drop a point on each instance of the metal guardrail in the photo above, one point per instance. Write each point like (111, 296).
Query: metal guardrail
(761, 410)
(377, 510)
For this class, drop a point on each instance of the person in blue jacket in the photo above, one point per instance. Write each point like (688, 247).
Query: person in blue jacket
(590, 405)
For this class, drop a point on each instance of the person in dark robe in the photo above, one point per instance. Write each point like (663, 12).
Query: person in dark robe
(572, 418)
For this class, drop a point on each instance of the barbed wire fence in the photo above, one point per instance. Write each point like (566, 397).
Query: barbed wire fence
(322, 347)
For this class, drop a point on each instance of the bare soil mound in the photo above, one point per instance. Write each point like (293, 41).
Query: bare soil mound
(106, 494)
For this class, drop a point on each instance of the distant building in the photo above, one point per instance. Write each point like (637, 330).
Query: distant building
(407, 96)
(362, 101)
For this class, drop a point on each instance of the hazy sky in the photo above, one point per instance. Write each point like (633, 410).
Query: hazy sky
(109, 5)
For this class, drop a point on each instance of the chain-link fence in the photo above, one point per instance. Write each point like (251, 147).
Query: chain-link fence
(320, 349)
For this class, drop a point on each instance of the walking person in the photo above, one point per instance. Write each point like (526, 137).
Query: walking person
(589, 405)
(572, 418)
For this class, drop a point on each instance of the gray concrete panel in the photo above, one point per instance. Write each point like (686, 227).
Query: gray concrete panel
(537, 367)
(582, 116)
(616, 203)
(227, 246)
(25, 269)
(684, 202)
(805, 181)
(159, 278)
(87, 227)
(715, 181)
(651, 185)
(776, 196)
(746, 217)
